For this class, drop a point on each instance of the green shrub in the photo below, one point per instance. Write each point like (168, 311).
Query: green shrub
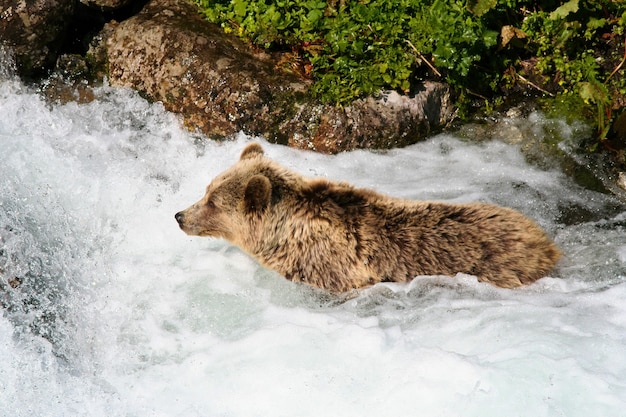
(357, 47)
(580, 46)
(352, 48)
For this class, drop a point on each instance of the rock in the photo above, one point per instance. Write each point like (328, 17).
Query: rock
(621, 180)
(222, 86)
(170, 53)
(35, 30)
(391, 120)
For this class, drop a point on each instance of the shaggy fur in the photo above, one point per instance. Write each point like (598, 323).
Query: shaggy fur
(337, 237)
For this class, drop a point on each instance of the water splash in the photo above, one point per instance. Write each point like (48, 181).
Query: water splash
(118, 313)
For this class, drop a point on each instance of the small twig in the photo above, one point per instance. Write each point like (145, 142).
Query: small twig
(620, 64)
(423, 58)
(534, 85)
(477, 95)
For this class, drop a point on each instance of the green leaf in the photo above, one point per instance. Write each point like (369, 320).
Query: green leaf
(593, 92)
(480, 7)
(314, 15)
(596, 23)
(490, 38)
(240, 7)
(564, 10)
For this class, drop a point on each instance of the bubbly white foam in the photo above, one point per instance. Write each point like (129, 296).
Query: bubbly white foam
(121, 314)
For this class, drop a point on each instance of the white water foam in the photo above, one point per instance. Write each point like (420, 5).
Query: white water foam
(119, 313)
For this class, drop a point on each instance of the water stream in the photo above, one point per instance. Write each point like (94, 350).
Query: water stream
(116, 312)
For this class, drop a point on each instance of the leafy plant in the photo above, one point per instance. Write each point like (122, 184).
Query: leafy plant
(357, 47)
(575, 45)
(483, 48)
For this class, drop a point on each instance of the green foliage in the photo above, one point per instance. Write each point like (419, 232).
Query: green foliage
(576, 45)
(357, 47)
(353, 48)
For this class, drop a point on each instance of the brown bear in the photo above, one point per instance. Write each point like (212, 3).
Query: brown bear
(337, 237)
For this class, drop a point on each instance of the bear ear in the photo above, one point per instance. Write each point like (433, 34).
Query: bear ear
(251, 151)
(258, 193)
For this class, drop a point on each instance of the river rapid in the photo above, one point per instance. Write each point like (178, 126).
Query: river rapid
(119, 313)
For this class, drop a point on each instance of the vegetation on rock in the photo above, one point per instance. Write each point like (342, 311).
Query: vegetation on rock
(572, 50)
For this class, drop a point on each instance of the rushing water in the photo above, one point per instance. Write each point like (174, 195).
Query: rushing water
(119, 313)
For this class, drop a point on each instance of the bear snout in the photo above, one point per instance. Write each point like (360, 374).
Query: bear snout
(180, 218)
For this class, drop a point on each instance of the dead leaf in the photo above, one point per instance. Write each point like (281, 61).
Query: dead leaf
(509, 34)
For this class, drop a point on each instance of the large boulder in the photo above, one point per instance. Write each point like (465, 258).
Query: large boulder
(35, 31)
(388, 121)
(222, 86)
(171, 54)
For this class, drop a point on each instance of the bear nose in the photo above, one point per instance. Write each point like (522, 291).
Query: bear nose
(180, 217)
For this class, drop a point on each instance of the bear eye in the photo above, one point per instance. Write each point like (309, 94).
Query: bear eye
(210, 204)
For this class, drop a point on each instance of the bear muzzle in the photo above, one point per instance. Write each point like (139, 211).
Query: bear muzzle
(180, 218)
(188, 223)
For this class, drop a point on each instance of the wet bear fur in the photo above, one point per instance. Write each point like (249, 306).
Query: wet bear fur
(337, 237)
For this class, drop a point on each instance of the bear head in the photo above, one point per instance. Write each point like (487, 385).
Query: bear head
(233, 199)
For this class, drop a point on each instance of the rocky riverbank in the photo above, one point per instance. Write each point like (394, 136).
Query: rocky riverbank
(219, 84)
